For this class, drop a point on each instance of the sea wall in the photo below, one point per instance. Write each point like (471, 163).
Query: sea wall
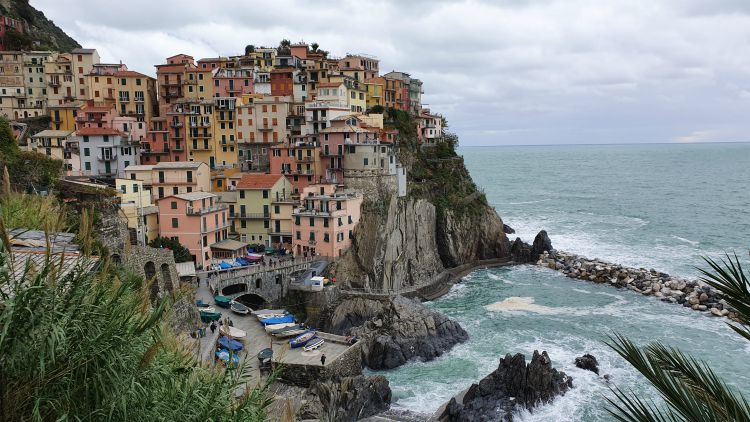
(691, 294)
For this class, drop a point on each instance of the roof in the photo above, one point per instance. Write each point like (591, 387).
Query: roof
(229, 245)
(329, 84)
(194, 196)
(346, 117)
(130, 73)
(178, 165)
(83, 50)
(346, 129)
(258, 180)
(52, 133)
(185, 269)
(98, 131)
(140, 167)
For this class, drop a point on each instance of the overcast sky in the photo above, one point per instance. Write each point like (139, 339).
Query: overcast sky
(502, 72)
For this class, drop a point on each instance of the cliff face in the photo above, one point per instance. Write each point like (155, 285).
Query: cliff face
(42, 34)
(443, 222)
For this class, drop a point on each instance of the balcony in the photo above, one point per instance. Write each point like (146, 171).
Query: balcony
(179, 148)
(177, 136)
(152, 152)
(54, 83)
(139, 99)
(190, 82)
(123, 99)
(265, 128)
(176, 124)
(252, 215)
(305, 159)
(111, 157)
(105, 172)
(200, 124)
(201, 148)
(201, 135)
(206, 210)
(311, 212)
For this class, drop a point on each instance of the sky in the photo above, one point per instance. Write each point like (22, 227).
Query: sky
(503, 72)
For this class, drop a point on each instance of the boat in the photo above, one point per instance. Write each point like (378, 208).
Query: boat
(264, 357)
(313, 344)
(266, 313)
(201, 304)
(302, 339)
(274, 327)
(239, 308)
(277, 320)
(290, 333)
(207, 317)
(282, 330)
(232, 332)
(226, 356)
(207, 309)
(230, 344)
(222, 301)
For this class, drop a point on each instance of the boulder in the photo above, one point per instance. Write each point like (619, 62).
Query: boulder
(347, 399)
(588, 362)
(542, 243)
(513, 385)
(508, 229)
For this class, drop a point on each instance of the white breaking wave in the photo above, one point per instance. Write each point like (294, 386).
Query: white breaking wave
(692, 242)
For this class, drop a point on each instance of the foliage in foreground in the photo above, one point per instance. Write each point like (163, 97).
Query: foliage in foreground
(27, 169)
(690, 389)
(90, 346)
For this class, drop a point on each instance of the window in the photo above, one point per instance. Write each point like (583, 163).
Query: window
(173, 205)
(341, 223)
(86, 152)
(190, 177)
(135, 187)
(312, 222)
(298, 236)
(326, 238)
(296, 220)
(161, 177)
(161, 192)
(365, 161)
(242, 194)
(325, 222)
(276, 209)
(175, 190)
(350, 219)
(87, 166)
(265, 194)
(312, 236)
(175, 223)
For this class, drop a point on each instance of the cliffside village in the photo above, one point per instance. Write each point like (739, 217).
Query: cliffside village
(274, 148)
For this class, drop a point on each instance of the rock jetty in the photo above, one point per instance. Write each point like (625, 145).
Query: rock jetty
(512, 386)
(691, 294)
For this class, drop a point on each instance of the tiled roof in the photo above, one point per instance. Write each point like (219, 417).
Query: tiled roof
(178, 165)
(130, 73)
(96, 131)
(194, 196)
(140, 167)
(83, 50)
(329, 84)
(229, 245)
(258, 181)
(52, 133)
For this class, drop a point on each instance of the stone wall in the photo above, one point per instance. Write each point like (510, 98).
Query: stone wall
(371, 185)
(270, 283)
(348, 364)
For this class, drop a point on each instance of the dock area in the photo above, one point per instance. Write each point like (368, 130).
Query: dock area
(299, 366)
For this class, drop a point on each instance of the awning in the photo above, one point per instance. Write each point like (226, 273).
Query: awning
(185, 269)
(229, 245)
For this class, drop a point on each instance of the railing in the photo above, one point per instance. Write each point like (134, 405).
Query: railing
(176, 124)
(255, 215)
(112, 157)
(205, 210)
(223, 278)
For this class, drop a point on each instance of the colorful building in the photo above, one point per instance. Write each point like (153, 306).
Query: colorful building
(105, 152)
(173, 178)
(60, 145)
(197, 220)
(139, 212)
(233, 82)
(324, 222)
(256, 193)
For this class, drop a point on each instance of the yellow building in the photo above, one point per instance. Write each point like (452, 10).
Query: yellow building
(135, 95)
(198, 84)
(224, 139)
(223, 180)
(63, 117)
(141, 215)
(263, 58)
(12, 89)
(66, 74)
(375, 92)
(198, 115)
(256, 194)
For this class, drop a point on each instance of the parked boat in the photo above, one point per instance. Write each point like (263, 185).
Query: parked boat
(230, 359)
(201, 304)
(290, 333)
(264, 357)
(232, 332)
(222, 301)
(207, 317)
(239, 308)
(288, 328)
(230, 344)
(277, 320)
(274, 327)
(207, 309)
(313, 344)
(302, 339)
(269, 313)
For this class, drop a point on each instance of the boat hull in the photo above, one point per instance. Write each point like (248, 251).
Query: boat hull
(302, 339)
(313, 344)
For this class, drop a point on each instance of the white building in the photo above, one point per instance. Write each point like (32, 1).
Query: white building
(106, 152)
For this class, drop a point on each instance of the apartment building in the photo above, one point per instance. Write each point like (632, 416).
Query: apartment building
(256, 194)
(324, 222)
(138, 210)
(105, 152)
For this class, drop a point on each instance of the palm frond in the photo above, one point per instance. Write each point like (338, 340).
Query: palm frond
(728, 277)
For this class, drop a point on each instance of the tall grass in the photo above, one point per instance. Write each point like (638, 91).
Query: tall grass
(90, 346)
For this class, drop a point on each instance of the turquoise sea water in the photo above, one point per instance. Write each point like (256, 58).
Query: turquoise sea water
(655, 206)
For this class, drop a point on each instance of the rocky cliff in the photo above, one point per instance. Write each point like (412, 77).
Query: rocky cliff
(394, 331)
(444, 221)
(42, 33)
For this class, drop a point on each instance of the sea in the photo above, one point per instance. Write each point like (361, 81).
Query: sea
(661, 206)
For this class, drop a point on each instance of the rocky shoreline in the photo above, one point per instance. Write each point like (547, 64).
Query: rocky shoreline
(692, 294)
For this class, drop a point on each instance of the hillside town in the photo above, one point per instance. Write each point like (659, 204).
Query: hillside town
(271, 149)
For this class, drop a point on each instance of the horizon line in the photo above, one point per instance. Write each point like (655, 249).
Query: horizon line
(600, 144)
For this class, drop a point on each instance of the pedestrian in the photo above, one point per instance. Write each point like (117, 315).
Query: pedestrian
(323, 360)
(213, 327)
(231, 323)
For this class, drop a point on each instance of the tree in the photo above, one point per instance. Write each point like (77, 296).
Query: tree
(315, 47)
(377, 109)
(690, 389)
(181, 253)
(8, 144)
(249, 49)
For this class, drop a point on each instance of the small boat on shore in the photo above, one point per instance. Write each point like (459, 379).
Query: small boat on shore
(270, 313)
(232, 332)
(302, 339)
(293, 330)
(239, 308)
(277, 320)
(201, 304)
(222, 301)
(207, 309)
(264, 357)
(313, 344)
(274, 327)
(230, 359)
(207, 317)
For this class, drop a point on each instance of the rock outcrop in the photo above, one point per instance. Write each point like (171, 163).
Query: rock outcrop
(513, 385)
(394, 331)
(692, 294)
(588, 362)
(524, 253)
(508, 229)
(342, 400)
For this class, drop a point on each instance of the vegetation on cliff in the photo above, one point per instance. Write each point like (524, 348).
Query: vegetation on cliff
(689, 388)
(28, 170)
(180, 252)
(42, 34)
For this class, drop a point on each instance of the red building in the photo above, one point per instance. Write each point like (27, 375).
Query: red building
(282, 81)
(9, 24)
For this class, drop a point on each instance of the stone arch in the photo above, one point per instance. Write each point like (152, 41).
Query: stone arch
(166, 275)
(233, 289)
(252, 301)
(150, 274)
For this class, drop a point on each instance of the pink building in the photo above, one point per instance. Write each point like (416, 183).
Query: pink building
(103, 115)
(198, 221)
(324, 222)
(344, 130)
(233, 82)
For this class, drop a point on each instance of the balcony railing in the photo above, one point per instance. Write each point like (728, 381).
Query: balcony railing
(206, 210)
(112, 157)
(252, 215)
(176, 124)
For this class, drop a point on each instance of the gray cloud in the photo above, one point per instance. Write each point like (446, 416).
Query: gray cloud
(512, 71)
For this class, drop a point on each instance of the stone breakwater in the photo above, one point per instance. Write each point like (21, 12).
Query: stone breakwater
(691, 294)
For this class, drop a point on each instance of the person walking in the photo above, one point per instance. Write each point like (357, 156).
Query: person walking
(323, 360)
(213, 327)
